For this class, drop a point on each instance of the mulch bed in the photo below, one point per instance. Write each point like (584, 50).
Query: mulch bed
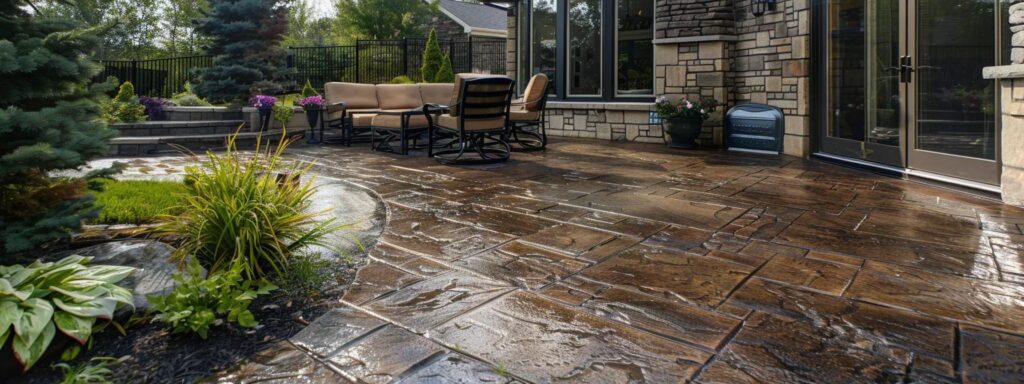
(157, 356)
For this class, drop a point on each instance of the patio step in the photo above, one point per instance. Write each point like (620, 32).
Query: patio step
(171, 144)
(179, 128)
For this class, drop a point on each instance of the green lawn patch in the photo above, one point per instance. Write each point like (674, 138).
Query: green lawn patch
(137, 201)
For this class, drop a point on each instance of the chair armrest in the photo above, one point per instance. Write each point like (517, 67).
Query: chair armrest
(336, 106)
(434, 109)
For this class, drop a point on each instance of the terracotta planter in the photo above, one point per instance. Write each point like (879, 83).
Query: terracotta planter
(684, 132)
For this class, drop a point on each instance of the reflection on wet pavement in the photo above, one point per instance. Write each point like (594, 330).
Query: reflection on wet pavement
(602, 262)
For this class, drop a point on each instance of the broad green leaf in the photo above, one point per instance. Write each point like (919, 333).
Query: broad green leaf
(56, 275)
(102, 308)
(246, 319)
(106, 273)
(81, 294)
(35, 315)
(75, 327)
(27, 352)
(9, 312)
(3, 336)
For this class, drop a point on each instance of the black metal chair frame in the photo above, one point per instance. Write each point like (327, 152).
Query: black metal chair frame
(345, 124)
(475, 140)
(535, 139)
(402, 133)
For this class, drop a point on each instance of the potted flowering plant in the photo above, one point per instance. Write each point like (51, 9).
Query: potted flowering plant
(684, 119)
(313, 105)
(154, 107)
(265, 105)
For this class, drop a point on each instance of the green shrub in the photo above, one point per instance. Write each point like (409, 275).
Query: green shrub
(125, 107)
(401, 80)
(189, 99)
(308, 90)
(137, 201)
(283, 114)
(95, 371)
(432, 57)
(197, 302)
(445, 74)
(68, 296)
(236, 210)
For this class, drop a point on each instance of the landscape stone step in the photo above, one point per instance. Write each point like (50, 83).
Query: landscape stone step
(156, 145)
(179, 128)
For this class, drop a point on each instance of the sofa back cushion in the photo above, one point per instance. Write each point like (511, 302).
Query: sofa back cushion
(355, 95)
(534, 92)
(457, 91)
(398, 96)
(440, 93)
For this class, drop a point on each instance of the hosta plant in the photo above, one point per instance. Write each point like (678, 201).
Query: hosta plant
(249, 208)
(196, 302)
(69, 296)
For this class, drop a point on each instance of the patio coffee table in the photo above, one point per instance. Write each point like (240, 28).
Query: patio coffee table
(397, 125)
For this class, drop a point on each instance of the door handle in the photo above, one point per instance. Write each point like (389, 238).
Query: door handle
(906, 69)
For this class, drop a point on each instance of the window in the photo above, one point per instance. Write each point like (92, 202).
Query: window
(591, 49)
(585, 52)
(544, 47)
(635, 49)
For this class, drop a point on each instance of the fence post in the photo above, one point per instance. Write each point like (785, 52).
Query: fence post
(405, 56)
(357, 61)
(470, 49)
(134, 76)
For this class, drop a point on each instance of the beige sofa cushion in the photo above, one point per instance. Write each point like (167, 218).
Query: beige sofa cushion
(534, 92)
(355, 95)
(395, 121)
(452, 123)
(362, 119)
(440, 93)
(398, 96)
(353, 112)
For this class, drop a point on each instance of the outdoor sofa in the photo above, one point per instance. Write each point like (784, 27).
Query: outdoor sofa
(392, 110)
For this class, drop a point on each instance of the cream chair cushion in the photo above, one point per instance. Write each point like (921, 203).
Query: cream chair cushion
(355, 95)
(440, 93)
(534, 92)
(395, 121)
(521, 114)
(452, 123)
(398, 96)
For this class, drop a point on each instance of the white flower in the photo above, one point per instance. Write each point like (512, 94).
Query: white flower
(702, 111)
(689, 105)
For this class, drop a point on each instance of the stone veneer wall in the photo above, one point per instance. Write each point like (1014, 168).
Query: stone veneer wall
(771, 65)
(710, 48)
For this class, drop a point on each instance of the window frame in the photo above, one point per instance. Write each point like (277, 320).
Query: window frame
(608, 59)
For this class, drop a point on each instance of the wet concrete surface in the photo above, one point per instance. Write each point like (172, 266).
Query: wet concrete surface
(599, 262)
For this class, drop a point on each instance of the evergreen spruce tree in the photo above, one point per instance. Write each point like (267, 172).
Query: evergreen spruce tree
(445, 74)
(248, 59)
(432, 57)
(49, 121)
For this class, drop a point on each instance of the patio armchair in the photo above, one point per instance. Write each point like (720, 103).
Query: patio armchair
(527, 116)
(476, 121)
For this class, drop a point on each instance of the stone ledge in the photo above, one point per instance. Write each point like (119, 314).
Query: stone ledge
(695, 39)
(1015, 71)
(599, 105)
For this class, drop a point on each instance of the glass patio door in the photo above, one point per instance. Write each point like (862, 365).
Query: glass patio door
(904, 85)
(953, 129)
(865, 106)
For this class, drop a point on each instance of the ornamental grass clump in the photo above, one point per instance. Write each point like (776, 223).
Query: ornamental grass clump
(246, 208)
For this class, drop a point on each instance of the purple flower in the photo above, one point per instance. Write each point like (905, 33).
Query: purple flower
(310, 102)
(153, 102)
(263, 101)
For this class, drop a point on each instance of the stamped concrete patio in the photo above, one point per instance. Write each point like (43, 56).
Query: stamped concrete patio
(625, 263)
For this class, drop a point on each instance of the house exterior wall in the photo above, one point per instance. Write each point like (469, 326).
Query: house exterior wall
(710, 48)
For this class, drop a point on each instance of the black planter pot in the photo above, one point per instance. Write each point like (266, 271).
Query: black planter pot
(312, 117)
(265, 114)
(684, 132)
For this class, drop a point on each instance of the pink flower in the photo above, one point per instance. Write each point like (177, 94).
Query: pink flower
(689, 105)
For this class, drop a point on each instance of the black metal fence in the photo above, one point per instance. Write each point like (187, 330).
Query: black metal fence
(368, 61)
